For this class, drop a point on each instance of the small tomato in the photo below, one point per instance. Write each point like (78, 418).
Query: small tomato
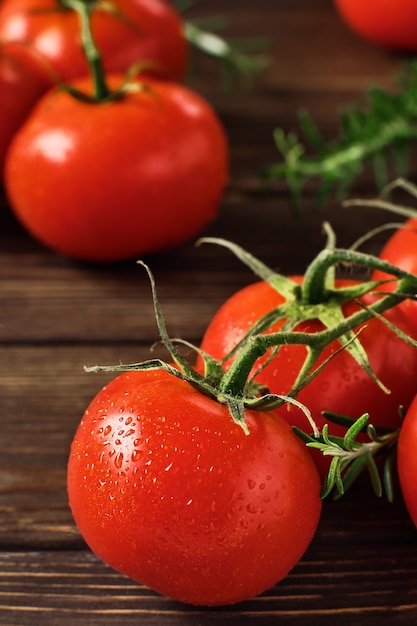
(166, 488)
(342, 386)
(22, 82)
(113, 180)
(407, 460)
(125, 32)
(390, 24)
(401, 250)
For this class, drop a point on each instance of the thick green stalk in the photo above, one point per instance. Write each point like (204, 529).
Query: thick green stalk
(234, 380)
(84, 10)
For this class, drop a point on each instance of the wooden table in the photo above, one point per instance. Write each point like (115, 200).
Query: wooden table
(57, 315)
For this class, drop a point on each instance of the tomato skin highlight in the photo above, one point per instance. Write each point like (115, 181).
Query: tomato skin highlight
(150, 31)
(167, 489)
(111, 181)
(342, 386)
(401, 250)
(390, 24)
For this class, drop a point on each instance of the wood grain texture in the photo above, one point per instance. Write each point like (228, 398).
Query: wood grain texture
(57, 316)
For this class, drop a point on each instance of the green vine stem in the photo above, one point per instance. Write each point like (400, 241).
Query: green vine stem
(382, 202)
(84, 9)
(234, 386)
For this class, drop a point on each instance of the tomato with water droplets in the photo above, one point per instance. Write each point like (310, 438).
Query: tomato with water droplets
(166, 488)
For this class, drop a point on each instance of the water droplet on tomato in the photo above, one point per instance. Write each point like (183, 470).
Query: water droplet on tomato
(118, 461)
(136, 455)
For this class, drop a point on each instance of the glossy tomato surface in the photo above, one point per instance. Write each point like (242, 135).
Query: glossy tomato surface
(22, 82)
(390, 24)
(111, 181)
(342, 386)
(167, 489)
(407, 460)
(401, 251)
(127, 32)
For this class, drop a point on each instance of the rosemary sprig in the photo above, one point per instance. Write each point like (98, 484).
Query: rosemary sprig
(379, 134)
(350, 457)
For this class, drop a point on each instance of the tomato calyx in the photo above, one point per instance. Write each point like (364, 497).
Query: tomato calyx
(316, 298)
(236, 386)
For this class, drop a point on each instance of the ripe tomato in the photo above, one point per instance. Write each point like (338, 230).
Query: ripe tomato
(407, 460)
(167, 489)
(111, 181)
(391, 24)
(401, 251)
(149, 30)
(21, 84)
(342, 386)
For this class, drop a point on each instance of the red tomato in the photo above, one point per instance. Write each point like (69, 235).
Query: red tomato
(148, 30)
(342, 386)
(391, 24)
(21, 84)
(112, 181)
(401, 251)
(407, 460)
(167, 489)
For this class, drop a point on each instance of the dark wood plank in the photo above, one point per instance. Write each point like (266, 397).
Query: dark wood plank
(57, 315)
(115, 304)
(324, 588)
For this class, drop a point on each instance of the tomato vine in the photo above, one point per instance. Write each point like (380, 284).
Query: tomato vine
(317, 299)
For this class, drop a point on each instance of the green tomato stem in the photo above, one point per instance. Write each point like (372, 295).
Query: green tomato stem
(234, 380)
(84, 9)
(314, 290)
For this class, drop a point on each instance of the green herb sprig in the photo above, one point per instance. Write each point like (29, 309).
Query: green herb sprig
(350, 457)
(379, 134)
